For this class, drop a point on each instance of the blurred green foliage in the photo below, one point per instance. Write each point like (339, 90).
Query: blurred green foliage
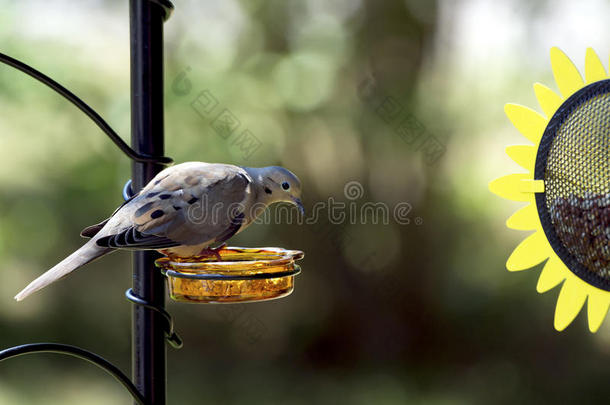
(382, 314)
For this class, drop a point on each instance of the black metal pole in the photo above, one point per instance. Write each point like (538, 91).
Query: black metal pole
(148, 350)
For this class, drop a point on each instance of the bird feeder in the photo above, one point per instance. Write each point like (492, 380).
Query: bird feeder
(238, 275)
(566, 187)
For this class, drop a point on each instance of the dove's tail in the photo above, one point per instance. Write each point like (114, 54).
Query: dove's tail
(87, 253)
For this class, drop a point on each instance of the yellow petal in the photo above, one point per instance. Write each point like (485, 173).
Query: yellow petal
(527, 121)
(594, 70)
(533, 250)
(525, 219)
(523, 155)
(552, 274)
(549, 100)
(597, 308)
(571, 299)
(532, 186)
(509, 187)
(566, 75)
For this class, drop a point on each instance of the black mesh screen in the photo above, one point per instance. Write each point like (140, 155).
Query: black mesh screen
(574, 162)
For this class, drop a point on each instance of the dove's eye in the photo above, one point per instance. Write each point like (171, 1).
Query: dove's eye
(285, 185)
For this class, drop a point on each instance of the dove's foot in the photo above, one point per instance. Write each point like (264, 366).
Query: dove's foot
(209, 252)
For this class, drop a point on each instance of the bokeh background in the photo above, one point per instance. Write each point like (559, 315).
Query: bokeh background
(418, 313)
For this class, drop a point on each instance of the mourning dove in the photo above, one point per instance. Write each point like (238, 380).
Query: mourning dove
(182, 212)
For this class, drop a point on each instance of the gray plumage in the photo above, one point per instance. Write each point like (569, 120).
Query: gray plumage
(183, 210)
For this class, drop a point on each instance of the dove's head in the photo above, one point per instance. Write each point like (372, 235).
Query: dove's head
(277, 184)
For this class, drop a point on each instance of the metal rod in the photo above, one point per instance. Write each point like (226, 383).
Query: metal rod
(33, 348)
(148, 350)
(227, 277)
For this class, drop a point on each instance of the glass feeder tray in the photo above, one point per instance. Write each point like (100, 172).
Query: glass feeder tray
(242, 275)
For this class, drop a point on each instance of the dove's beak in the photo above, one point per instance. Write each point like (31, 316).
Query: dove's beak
(299, 204)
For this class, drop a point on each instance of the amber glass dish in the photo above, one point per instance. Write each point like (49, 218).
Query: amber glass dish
(242, 274)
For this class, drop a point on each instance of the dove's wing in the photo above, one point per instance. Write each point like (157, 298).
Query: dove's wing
(187, 204)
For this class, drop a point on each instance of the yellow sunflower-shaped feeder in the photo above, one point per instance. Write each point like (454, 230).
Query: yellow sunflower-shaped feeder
(566, 187)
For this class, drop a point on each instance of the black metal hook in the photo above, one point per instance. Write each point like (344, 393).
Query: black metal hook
(127, 190)
(167, 6)
(81, 105)
(80, 354)
(172, 337)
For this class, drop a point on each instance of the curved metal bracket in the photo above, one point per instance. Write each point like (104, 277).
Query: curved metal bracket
(170, 335)
(167, 6)
(80, 354)
(81, 105)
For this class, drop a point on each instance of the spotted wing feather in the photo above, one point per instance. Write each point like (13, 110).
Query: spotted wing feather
(176, 208)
